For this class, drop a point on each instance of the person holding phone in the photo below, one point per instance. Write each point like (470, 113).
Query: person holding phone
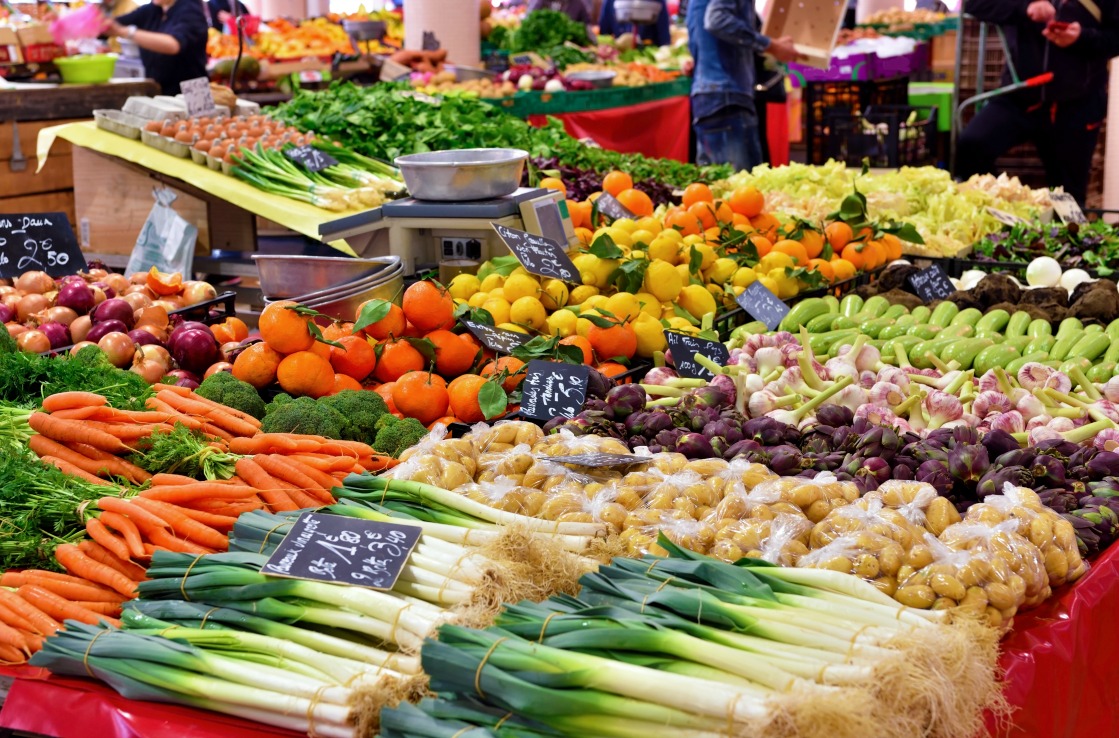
(1073, 39)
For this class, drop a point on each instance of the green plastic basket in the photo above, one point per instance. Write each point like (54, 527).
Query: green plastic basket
(88, 69)
(524, 104)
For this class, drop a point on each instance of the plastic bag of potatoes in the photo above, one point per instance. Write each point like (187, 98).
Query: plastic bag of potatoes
(566, 443)
(512, 462)
(506, 493)
(868, 555)
(439, 444)
(1003, 552)
(782, 540)
(435, 470)
(918, 503)
(816, 497)
(503, 436)
(642, 527)
(1040, 525)
(741, 476)
(869, 515)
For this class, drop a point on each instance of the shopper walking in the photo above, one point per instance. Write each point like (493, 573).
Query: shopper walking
(723, 40)
(1073, 39)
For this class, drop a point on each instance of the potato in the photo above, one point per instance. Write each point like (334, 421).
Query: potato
(920, 596)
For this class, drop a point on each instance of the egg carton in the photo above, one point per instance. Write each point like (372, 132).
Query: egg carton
(150, 108)
(166, 145)
(119, 122)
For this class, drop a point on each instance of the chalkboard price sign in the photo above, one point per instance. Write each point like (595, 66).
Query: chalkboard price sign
(310, 157)
(684, 349)
(539, 255)
(763, 305)
(1067, 208)
(198, 97)
(611, 207)
(553, 390)
(343, 550)
(496, 339)
(42, 242)
(931, 284)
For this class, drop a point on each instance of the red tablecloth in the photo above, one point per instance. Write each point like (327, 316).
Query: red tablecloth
(659, 128)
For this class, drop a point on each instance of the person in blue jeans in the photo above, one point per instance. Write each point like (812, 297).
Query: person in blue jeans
(723, 39)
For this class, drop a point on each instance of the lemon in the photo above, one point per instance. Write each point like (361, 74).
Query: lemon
(650, 223)
(562, 323)
(769, 283)
(735, 290)
(592, 302)
(521, 285)
(681, 324)
(498, 307)
(493, 282)
(642, 236)
(478, 299)
(664, 248)
(685, 274)
(650, 336)
(743, 277)
(593, 270)
(694, 240)
(672, 235)
(628, 225)
(583, 327)
(619, 236)
(715, 290)
(663, 281)
(697, 300)
(668, 311)
(774, 260)
(519, 270)
(555, 294)
(708, 254)
(463, 286)
(512, 327)
(722, 270)
(650, 304)
(528, 311)
(637, 255)
(581, 293)
(623, 305)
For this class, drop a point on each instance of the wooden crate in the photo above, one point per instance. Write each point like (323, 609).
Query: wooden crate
(813, 24)
(19, 190)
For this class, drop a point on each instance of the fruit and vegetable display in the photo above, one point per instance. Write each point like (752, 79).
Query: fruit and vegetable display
(282, 39)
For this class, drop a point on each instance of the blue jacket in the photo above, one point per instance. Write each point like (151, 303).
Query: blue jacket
(723, 39)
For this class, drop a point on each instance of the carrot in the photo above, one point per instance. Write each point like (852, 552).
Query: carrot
(363, 449)
(214, 430)
(185, 492)
(223, 523)
(281, 467)
(127, 431)
(167, 541)
(325, 463)
(126, 568)
(91, 453)
(127, 529)
(11, 656)
(137, 416)
(10, 636)
(98, 532)
(163, 479)
(34, 641)
(380, 462)
(184, 392)
(57, 607)
(74, 471)
(75, 590)
(184, 525)
(218, 415)
(65, 431)
(338, 449)
(140, 517)
(79, 413)
(267, 487)
(232, 510)
(275, 442)
(14, 619)
(79, 564)
(44, 446)
(70, 400)
(322, 480)
(41, 623)
(191, 422)
(101, 608)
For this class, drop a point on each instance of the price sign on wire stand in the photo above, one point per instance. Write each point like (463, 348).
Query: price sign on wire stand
(538, 255)
(1067, 208)
(684, 348)
(495, 339)
(931, 284)
(198, 97)
(1006, 218)
(42, 242)
(310, 157)
(553, 390)
(611, 207)
(763, 305)
(343, 550)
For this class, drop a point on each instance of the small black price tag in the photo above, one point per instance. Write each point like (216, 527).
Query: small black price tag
(537, 254)
(39, 242)
(496, 339)
(310, 157)
(763, 305)
(553, 390)
(684, 348)
(343, 550)
(1067, 208)
(197, 96)
(931, 284)
(599, 460)
(610, 206)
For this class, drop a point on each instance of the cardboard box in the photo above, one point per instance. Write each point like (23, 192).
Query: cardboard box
(10, 51)
(38, 44)
(813, 24)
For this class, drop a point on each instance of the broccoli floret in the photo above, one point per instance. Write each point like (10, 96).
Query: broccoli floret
(225, 388)
(303, 415)
(362, 409)
(281, 399)
(396, 435)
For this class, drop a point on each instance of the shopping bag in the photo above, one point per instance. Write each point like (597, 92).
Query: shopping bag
(166, 241)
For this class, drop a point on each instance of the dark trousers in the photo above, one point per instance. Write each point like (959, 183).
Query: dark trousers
(1064, 133)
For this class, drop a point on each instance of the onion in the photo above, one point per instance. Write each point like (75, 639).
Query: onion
(220, 366)
(195, 350)
(113, 309)
(118, 347)
(79, 346)
(149, 369)
(7, 290)
(102, 329)
(139, 289)
(139, 278)
(171, 302)
(98, 294)
(142, 337)
(36, 282)
(16, 329)
(159, 333)
(137, 300)
(181, 328)
(79, 328)
(109, 291)
(156, 353)
(183, 378)
(153, 315)
(33, 342)
(1044, 271)
(11, 300)
(196, 292)
(51, 296)
(118, 282)
(230, 349)
(6, 313)
(30, 304)
(63, 315)
(96, 274)
(57, 334)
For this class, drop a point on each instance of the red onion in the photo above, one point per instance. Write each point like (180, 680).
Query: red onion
(183, 378)
(6, 313)
(34, 282)
(58, 334)
(101, 329)
(109, 292)
(113, 309)
(195, 350)
(230, 349)
(63, 315)
(33, 342)
(181, 328)
(118, 347)
(142, 337)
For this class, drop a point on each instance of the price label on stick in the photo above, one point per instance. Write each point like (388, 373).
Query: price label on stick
(553, 390)
(1066, 208)
(42, 242)
(198, 97)
(931, 284)
(763, 305)
(343, 550)
(539, 255)
(611, 207)
(684, 348)
(310, 157)
(496, 339)
(599, 460)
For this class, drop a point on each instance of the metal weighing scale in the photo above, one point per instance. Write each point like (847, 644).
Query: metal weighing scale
(428, 234)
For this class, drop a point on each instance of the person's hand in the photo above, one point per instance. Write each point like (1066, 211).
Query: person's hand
(782, 49)
(110, 27)
(688, 67)
(1062, 36)
(1041, 11)
(224, 16)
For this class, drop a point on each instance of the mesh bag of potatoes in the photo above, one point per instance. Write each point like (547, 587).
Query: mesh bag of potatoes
(868, 515)
(1004, 557)
(816, 497)
(782, 540)
(1040, 525)
(866, 554)
(918, 503)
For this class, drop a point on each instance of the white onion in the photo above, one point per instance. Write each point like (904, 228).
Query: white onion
(1074, 277)
(1044, 271)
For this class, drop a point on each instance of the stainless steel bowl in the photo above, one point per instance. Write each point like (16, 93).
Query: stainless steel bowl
(343, 304)
(642, 12)
(285, 277)
(462, 174)
(598, 78)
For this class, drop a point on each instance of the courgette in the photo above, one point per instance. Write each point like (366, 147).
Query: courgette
(1064, 344)
(1039, 327)
(1018, 323)
(850, 305)
(995, 321)
(943, 314)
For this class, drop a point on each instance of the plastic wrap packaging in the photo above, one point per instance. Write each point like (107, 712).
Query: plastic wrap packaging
(918, 503)
(642, 527)
(816, 497)
(511, 463)
(506, 493)
(999, 548)
(566, 443)
(503, 436)
(782, 540)
(867, 515)
(438, 443)
(870, 556)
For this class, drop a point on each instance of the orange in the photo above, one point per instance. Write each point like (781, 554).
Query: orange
(385, 391)
(685, 222)
(284, 329)
(579, 219)
(583, 344)
(636, 201)
(766, 224)
(723, 212)
(428, 306)
(584, 235)
(337, 329)
(697, 192)
(825, 269)
(553, 183)
(512, 368)
(463, 393)
(838, 234)
(852, 254)
(398, 357)
(762, 244)
(318, 348)
(865, 233)
(843, 269)
(392, 324)
(344, 382)
(712, 234)
(421, 395)
(223, 333)
(305, 373)
(610, 343)
(748, 201)
(164, 283)
(230, 329)
(355, 359)
(813, 242)
(893, 246)
(453, 356)
(616, 182)
(741, 222)
(257, 365)
(613, 369)
(704, 212)
(875, 253)
(794, 249)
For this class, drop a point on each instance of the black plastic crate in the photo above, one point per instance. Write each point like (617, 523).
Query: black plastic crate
(823, 101)
(887, 136)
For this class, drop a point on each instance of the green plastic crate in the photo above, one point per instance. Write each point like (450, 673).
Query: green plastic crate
(524, 104)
